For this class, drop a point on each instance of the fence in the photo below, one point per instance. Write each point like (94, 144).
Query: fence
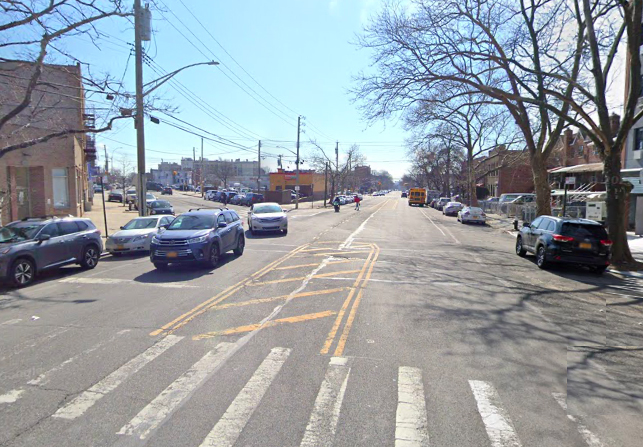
(527, 212)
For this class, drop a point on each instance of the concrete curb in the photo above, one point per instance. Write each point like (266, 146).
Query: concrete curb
(629, 274)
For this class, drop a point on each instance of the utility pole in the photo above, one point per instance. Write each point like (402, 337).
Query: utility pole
(140, 113)
(336, 165)
(259, 168)
(106, 159)
(193, 167)
(202, 168)
(297, 187)
(325, 183)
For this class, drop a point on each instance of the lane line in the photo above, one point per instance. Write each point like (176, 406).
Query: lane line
(84, 401)
(11, 396)
(349, 240)
(271, 323)
(431, 220)
(320, 431)
(499, 428)
(340, 253)
(10, 322)
(226, 432)
(590, 438)
(166, 403)
(411, 422)
(277, 298)
(291, 267)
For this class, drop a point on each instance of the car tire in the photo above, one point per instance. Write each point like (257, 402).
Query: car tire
(520, 250)
(541, 259)
(90, 257)
(160, 265)
(598, 269)
(22, 273)
(213, 258)
(241, 244)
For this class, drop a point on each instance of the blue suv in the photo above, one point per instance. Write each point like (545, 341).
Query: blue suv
(200, 235)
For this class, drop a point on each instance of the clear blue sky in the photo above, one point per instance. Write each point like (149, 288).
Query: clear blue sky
(298, 51)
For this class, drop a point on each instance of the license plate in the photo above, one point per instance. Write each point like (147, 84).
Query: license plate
(120, 247)
(585, 245)
(171, 254)
(474, 217)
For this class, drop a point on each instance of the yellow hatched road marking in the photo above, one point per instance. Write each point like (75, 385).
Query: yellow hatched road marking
(252, 327)
(301, 278)
(277, 298)
(315, 264)
(340, 253)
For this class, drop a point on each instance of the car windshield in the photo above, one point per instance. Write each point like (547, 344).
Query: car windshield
(474, 210)
(583, 231)
(160, 204)
(150, 196)
(19, 232)
(264, 209)
(193, 222)
(140, 224)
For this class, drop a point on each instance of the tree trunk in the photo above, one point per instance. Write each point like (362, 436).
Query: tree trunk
(473, 197)
(448, 174)
(541, 184)
(617, 194)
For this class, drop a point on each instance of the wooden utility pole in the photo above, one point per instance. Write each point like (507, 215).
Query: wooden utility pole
(325, 184)
(202, 168)
(259, 168)
(297, 161)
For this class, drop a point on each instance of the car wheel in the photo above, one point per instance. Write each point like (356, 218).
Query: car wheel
(23, 272)
(240, 245)
(520, 250)
(160, 265)
(213, 260)
(598, 269)
(541, 260)
(90, 257)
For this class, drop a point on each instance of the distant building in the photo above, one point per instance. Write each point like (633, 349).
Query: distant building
(504, 171)
(309, 181)
(576, 156)
(49, 178)
(171, 174)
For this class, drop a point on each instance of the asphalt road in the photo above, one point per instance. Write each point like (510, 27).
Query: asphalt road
(388, 326)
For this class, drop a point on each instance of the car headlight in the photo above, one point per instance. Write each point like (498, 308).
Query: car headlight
(156, 240)
(139, 238)
(197, 240)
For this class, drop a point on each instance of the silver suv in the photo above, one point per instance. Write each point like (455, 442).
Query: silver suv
(31, 245)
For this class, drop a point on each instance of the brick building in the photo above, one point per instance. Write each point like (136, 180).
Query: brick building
(49, 178)
(504, 171)
(575, 156)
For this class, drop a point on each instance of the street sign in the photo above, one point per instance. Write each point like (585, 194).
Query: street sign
(297, 188)
(570, 180)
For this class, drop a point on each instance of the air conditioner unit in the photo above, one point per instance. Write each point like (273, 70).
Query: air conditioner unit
(637, 155)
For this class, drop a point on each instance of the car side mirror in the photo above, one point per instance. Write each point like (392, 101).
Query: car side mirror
(122, 227)
(43, 237)
(526, 225)
(222, 224)
(164, 226)
(284, 210)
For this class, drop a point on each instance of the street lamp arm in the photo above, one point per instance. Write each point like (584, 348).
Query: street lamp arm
(292, 152)
(163, 79)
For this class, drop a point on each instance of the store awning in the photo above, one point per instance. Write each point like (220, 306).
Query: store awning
(577, 169)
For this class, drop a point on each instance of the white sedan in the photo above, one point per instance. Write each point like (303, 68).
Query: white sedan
(472, 214)
(136, 235)
(267, 217)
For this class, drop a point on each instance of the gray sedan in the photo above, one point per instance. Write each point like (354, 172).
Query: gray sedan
(136, 234)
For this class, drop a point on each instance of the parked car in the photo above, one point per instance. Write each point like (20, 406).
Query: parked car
(154, 186)
(149, 197)
(226, 196)
(136, 234)
(167, 191)
(115, 195)
(470, 214)
(405, 194)
(267, 217)
(32, 245)
(236, 200)
(97, 188)
(200, 235)
(452, 208)
(211, 194)
(441, 202)
(131, 195)
(251, 198)
(565, 240)
(160, 207)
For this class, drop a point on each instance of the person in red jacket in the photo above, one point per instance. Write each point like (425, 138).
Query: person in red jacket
(357, 201)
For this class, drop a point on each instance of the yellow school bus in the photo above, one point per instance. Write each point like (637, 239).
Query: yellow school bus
(417, 196)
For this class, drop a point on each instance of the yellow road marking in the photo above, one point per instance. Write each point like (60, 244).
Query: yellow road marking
(308, 250)
(277, 298)
(252, 327)
(339, 253)
(340, 315)
(199, 309)
(290, 267)
(301, 278)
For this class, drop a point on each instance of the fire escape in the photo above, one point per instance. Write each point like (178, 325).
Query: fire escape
(90, 139)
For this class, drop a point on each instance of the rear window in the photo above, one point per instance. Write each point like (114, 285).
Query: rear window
(582, 231)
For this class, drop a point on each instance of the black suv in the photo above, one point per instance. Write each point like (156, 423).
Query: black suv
(32, 245)
(200, 235)
(565, 240)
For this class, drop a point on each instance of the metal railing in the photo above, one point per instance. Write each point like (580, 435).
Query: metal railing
(527, 212)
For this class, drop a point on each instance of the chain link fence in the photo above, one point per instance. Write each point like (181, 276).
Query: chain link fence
(527, 212)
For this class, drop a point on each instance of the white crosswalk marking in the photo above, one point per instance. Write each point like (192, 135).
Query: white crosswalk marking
(320, 431)
(499, 428)
(590, 438)
(411, 420)
(83, 402)
(169, 400)
(226, 432)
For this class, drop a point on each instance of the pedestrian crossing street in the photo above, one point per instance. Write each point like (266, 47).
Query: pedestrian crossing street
(410, 428)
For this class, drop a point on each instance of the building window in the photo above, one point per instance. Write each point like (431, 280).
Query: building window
(61, 188)
(595, 150)
(638, 139)
(581, 150)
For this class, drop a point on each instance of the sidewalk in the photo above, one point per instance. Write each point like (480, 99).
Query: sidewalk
(117, 215)
(501, 223)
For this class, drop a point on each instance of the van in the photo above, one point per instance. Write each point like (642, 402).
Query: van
(417, 196)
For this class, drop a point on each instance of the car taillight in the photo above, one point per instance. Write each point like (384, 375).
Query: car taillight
(606, 243)
(560, 238)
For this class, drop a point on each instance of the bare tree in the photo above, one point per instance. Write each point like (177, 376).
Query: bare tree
(341, 169)
(223, 170)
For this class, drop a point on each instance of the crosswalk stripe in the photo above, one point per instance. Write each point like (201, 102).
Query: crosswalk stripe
(320, 431)
(169, 400)
(83, 402)
(496, 420)
(227, 430)
(590, 438)
(411, 420)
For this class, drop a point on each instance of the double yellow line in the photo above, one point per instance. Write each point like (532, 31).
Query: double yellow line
(212, 302)
(363, 278)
